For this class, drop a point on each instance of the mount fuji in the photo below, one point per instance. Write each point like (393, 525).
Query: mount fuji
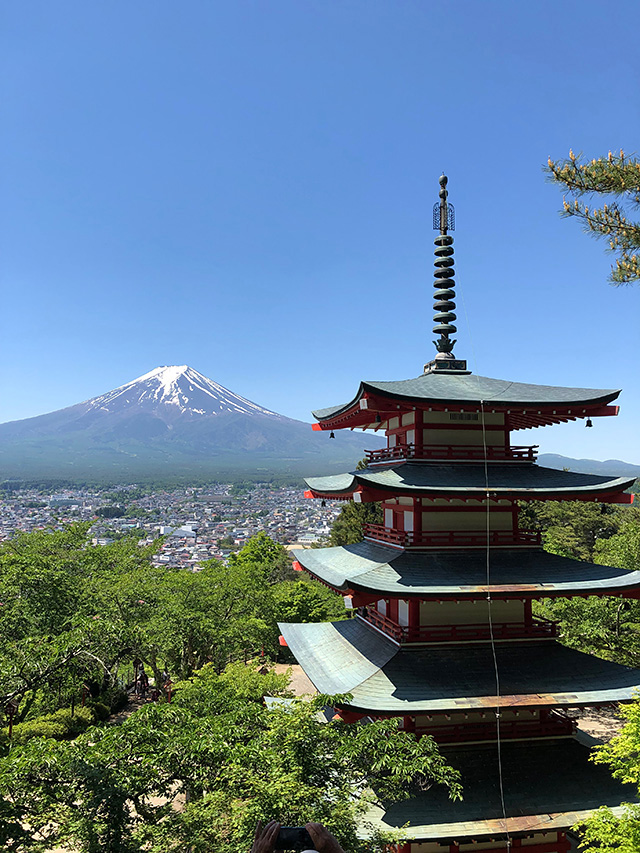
(171, 422)
(172, 393)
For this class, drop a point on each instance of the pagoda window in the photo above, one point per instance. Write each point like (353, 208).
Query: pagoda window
(381, 607)
(465, 437)
(403, 612)
(393, 439)
(388, 517)
(408, 520)
(471, 520)
(470, 613)
(467, 429)
(470, 420)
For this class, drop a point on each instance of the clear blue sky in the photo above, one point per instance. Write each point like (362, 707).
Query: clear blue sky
(246, 187)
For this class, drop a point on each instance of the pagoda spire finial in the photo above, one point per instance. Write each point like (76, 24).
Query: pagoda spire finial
(444, 221)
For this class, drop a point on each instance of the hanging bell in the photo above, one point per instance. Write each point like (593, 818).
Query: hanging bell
(331, 435)
(323, 502)
(589, 422)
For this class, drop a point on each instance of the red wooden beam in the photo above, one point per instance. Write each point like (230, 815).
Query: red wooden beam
(603, 412)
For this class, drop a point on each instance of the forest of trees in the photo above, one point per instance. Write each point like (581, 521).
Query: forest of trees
(197, 772)
(74, 618)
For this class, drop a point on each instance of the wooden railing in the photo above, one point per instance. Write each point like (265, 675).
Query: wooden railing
(479, 631)
(386, 454)
(380, 533)
(451, 539)
(468, 453)
(386, 625)
(538, 628)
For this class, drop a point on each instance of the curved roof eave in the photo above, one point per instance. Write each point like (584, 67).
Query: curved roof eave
(470, 388)
(382, 678)
(520, 481)
(524, 573)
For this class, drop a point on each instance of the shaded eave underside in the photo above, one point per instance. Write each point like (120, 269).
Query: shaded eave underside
(469, 391)
(526, 573)
(467, 480)
(548, 785)
(353, 657)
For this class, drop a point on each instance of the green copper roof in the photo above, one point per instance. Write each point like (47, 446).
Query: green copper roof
(352, 657)
(548, 785)
(440, 574)
(468, 388)
(465, 479)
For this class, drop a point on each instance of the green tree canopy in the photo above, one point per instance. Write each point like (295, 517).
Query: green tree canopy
(606, 832)
(348, 528)
(122, 789)
(606, 626)
(50, 636)
(72, 614)
(572, 528)
(616, 178)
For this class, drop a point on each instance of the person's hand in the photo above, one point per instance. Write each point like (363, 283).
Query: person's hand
(322, 839)
(265, 838)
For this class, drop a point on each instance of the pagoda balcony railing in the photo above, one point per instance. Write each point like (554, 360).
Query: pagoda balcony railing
(461, 453)
(387, 454)
(537, 628)
(451, 539)
(555, 726)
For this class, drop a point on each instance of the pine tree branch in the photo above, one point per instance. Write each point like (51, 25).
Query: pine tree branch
(617, 176)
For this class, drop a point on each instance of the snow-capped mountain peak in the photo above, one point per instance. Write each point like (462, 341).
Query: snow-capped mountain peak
(178, 387)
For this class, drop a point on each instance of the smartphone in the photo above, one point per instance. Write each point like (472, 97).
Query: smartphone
(293, 838)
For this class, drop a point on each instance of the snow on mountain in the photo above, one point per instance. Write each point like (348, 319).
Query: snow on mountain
(172, 421)
(180, 386)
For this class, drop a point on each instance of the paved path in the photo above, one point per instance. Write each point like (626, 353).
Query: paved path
(299, 684)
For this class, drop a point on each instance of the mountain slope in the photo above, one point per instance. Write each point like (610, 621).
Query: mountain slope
(171, 421)
(614, 467)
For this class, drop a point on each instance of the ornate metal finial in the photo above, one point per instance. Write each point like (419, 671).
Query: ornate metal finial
(444, 282)
(444, 221)
(444, 214)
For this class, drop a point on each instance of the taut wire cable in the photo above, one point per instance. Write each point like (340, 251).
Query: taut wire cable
(488, 582)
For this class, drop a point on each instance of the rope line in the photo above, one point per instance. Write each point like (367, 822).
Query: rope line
(488, 583)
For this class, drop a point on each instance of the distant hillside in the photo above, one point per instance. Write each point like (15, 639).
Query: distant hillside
(172, 422)
(590, 466)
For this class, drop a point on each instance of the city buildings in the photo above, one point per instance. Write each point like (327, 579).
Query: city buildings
(196, 524)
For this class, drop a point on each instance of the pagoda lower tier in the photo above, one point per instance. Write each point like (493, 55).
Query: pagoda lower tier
(548, 786)
(385, 678)
(368, 571)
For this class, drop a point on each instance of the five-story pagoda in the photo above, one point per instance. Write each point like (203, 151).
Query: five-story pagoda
(443, 633)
